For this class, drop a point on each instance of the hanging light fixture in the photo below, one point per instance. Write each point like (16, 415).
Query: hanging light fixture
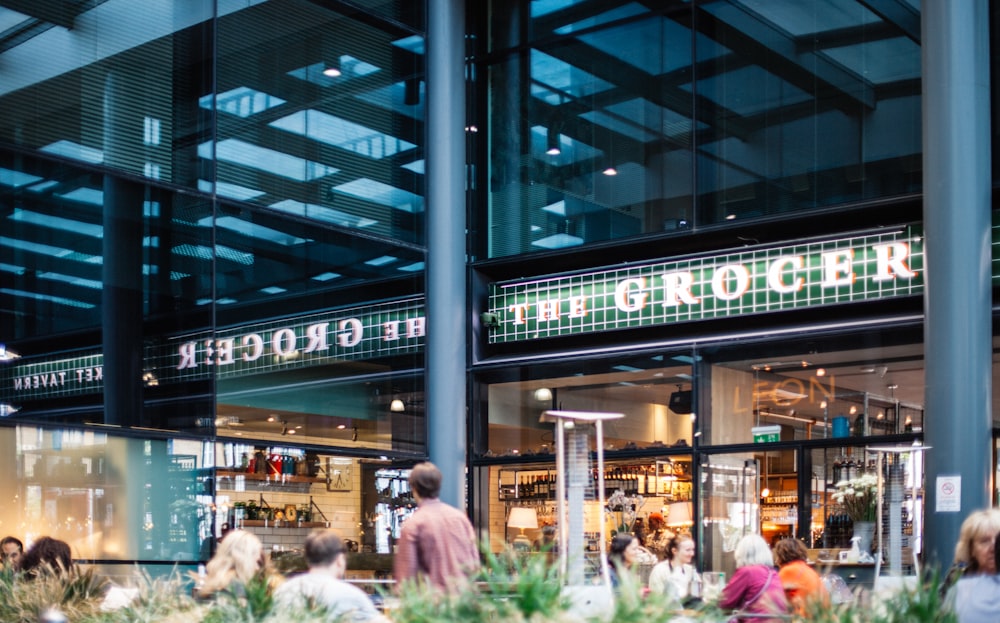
(397, 406)
(552, 139)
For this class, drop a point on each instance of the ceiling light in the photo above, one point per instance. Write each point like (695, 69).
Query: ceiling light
(610, 171)
(6, 354)
(820, 371)
(397, 406)
(6, 409)
(332, 72)
(552, 142)
(341, 426)
(543, 394)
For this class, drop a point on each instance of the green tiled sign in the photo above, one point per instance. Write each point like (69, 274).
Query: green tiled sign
(361, 333)
(712, 286)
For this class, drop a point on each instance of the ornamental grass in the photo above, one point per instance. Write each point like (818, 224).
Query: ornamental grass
(512, 587)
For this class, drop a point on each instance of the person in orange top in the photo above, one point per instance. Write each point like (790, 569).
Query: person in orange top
(801, 583)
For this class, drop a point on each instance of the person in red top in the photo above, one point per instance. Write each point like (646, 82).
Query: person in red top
(755, 587)
(801, 583)
(437, 543)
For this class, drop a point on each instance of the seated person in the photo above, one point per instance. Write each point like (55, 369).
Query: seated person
(239, 559)
(46, 556)
(323, 584)
(801, 583)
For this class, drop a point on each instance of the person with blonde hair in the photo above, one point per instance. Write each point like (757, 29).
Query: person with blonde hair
(239, 559)
(974, 551)
(755, 588)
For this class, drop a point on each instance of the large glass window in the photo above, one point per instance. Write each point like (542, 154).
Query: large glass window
(607, 123)
(654, 393)
(109, 497)
(811, 394)
(110, 83)
(320, 117)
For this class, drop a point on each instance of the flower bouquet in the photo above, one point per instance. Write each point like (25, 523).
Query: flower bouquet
(858, 497)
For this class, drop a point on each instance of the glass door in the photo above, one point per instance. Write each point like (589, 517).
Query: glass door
(729, 500)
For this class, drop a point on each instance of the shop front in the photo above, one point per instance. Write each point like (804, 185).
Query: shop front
(755, 384)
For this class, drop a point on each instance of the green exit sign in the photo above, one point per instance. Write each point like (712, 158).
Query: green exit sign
(765, 434)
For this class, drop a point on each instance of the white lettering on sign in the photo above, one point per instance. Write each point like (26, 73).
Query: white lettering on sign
(57, 380)
(777, 270)
(891, 261)
(677, 289)
(415, 327)
(837, 268)
(288, 343)
(780, 274)
(630, 302)
(731, 272)
(351, 332)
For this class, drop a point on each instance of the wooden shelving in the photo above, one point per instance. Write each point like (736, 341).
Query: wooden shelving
(270, 478)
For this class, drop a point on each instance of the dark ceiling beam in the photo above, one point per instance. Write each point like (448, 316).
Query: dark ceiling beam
(634, 83)
(899, 14)
(58, 12)
(747, 34)
(843, 37)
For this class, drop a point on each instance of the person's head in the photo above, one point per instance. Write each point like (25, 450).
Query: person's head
(11, 549)
(680, 549)
(655, 522)
(752, 549)
(624, 549)
(425, 480)
(789, 550)
(976, 541)
(325, 549)
(47, 555)
(240, 556)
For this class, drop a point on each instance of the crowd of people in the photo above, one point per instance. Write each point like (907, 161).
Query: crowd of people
(438, 549)
(437, 546)
(775, 583)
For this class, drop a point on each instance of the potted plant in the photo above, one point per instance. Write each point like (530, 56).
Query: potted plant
(858, 497)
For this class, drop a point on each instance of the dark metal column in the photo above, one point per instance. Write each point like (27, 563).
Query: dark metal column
(121, 301)
(446, 280)
(957, 332)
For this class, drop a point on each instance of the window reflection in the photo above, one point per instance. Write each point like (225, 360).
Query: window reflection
(641, 389)
(819, 396)
(109, 497)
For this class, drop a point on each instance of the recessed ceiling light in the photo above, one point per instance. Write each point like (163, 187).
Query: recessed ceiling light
(610, 171)
(332, 72)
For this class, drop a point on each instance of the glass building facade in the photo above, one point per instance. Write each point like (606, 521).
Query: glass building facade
(213, 257)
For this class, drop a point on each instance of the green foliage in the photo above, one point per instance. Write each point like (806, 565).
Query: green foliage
(252, 602)
(924, 604)
(161, 600)
(528, 582)
(512, 587)
(78, 595)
